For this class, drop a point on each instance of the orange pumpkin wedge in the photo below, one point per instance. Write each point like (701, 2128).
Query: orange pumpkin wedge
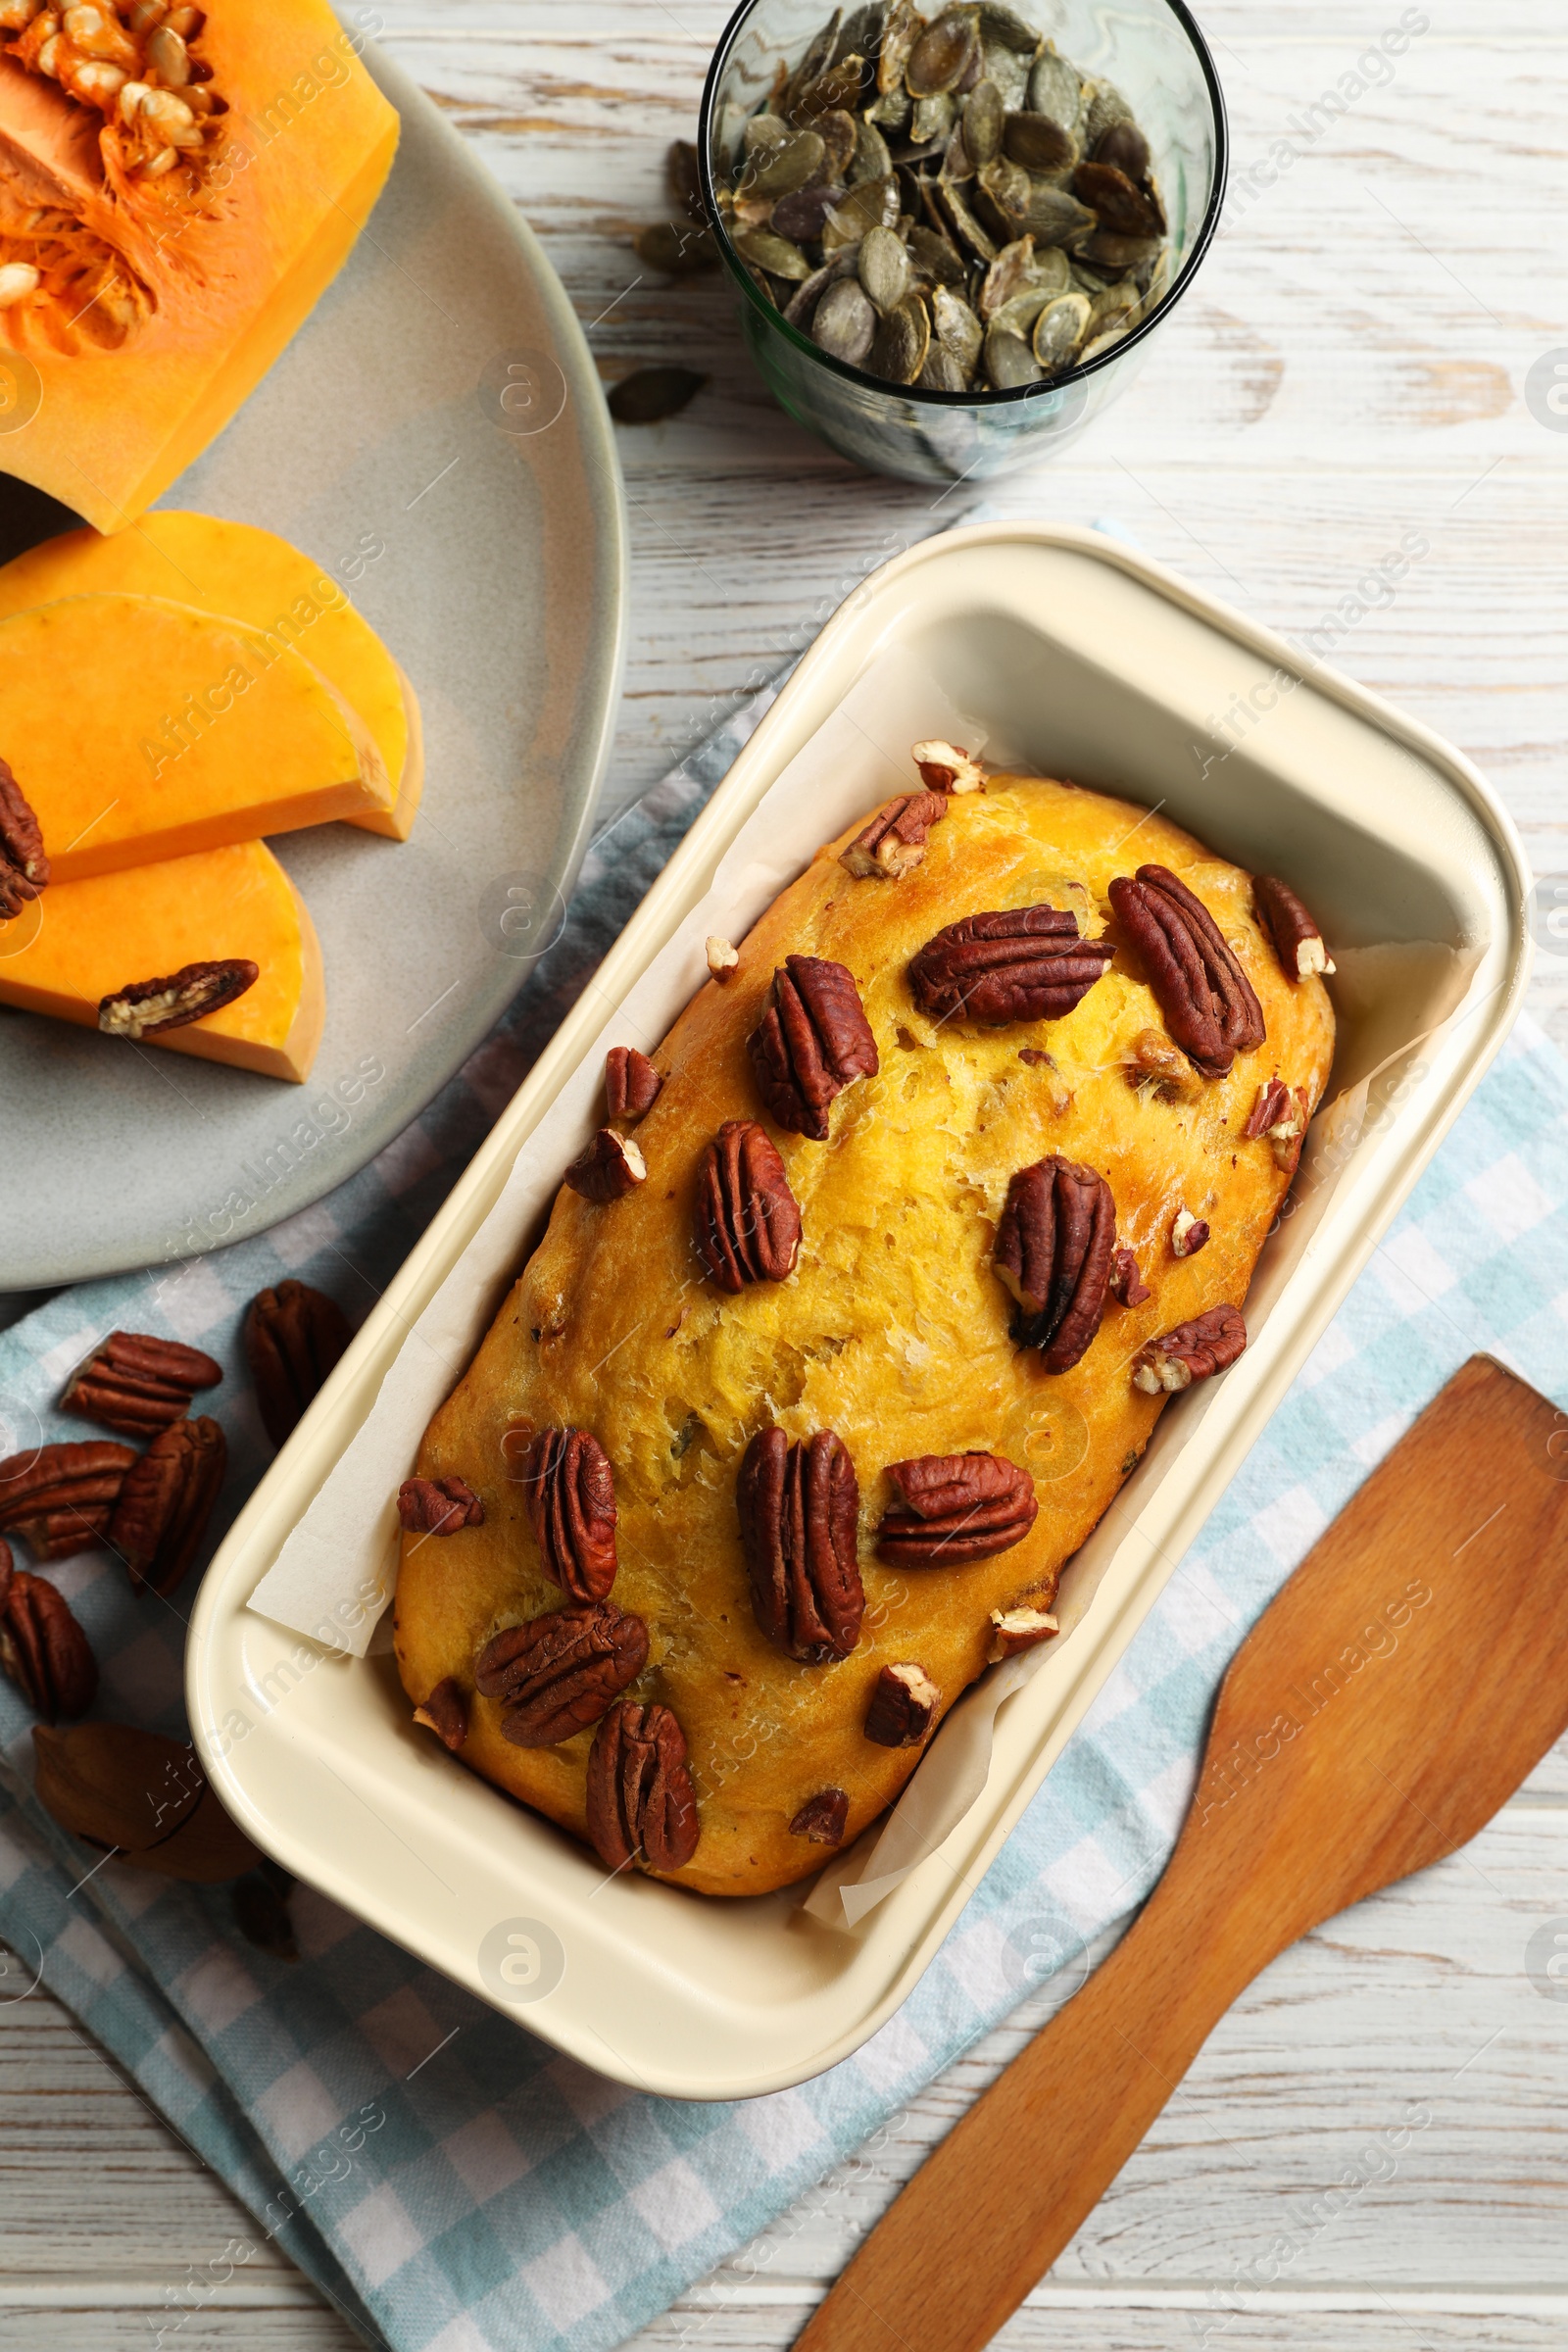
(79, 942)
(139, 729)
(177, 187)
(239, 572)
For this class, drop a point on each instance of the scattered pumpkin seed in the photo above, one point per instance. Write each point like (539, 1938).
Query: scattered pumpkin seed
(884, 268)
(679, 248)
(1039, 143)
(983, 120)
(844, 322)
(653, 393)
(772, 253)
(901, 341)
(942, 371)
(957, 327)
(941, 53)
(871, 158)
(1054, 89)
(1009, 362)
(1059, 330)
(1125, 147)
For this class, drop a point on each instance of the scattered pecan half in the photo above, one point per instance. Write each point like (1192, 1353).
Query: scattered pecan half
(632, 1084)
(1205, 996)
(150, 1007)
(823, 1816)
(166, 1503)
(956, 1507)
(811, 1042)
(1126, 1282)
(1188, 1234)
(1053, 1251)
(569, 1488)
(799, 1510)
(903, 1702)
(23, 868)
(292, 1337)
(1298, 942)
(722, 958)
(141, 1796)
(607, 1168)
(137, 1384)
(1022, 963)
(1151, 1056)
(747, 1220)
(1210, 1342)
(894, 843)
(446, 1713)
(556, 1674)
(42, 1647)
(1018, 1629)
(641, 1804)
(60, 1497)
(946, 767)
(439, 1506)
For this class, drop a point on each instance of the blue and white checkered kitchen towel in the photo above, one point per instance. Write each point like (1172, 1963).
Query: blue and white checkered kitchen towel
(450, 2181)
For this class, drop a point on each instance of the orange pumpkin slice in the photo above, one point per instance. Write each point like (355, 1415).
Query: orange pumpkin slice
(177, 187)
(238, 572)
(79, 942)
(140, 729)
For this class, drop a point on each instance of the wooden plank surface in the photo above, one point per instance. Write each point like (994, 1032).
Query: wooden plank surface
(1349, 367)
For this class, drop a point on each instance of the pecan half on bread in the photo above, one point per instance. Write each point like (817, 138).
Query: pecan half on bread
(747, 1220)
(1210, 1342)
(556, 1674)
(439, 1506)
(632, 1084)
(954, 1507)
(446, 1713)
(641, 1804)
(1023, 963)
(1205, 996)
(23, 868)
(1297, 941)
(823, 1816)
(166, 1503)
(1053, 1251)
(138, 1384)
(904, 1703)
(799, 1507)
(150, 1007)
(292, 1337)
(42, 1647)
(607, 1168)
(894, 843)
(811, 1042)
(569, 1488)
(61, 1498)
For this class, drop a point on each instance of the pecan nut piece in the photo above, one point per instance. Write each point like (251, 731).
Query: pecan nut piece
(439, 1506)
(1188, 1234)
(556, 1674)
(641, 1804)
(607, 1168)
(1151, 1058)
(798, 1509)
(1205, 996)
(946, 767)
(904, 1704)
(1281, 1113)
(1016, 1630)
(1022, 963)
(23, 868)
(138, 1384)
(1298, 942)
(632, 1084)
(1210, 1342)
(823, 1816)
(810, 1043)
(150, 1007)
(569, 1488)
(956, 1507)
(1273, 1104)
(446, 1713)
(894, 843)
(61, 1498)
(166, 1503)
(1054, 1252)
(42, 1647)
(747, 1220)
(1126, 1282)
(292, 1337)
(141, 1796)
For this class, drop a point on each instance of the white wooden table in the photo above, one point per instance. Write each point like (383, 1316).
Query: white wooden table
(1332, 383)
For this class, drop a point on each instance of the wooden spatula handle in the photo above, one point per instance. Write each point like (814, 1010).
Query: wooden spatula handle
(989, 2212)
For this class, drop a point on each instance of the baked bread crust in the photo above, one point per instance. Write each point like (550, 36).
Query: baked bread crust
(892, 1332)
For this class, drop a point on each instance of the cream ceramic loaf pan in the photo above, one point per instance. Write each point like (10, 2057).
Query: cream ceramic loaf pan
(1088, 661)
(892, 1330)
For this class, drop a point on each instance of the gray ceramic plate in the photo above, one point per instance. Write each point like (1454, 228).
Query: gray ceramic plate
(436, 438)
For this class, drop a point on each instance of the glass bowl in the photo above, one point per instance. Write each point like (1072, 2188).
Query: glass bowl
(1155, 55)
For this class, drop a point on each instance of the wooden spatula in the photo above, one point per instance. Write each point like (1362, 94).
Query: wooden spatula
(1409, 1675)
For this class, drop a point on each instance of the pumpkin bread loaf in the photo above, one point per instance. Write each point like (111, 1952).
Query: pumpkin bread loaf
(853, 1319)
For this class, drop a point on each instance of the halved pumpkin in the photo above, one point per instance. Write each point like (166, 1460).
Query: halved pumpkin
(140, 729)
(238, 572)
(177, 187)
(79, 942)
